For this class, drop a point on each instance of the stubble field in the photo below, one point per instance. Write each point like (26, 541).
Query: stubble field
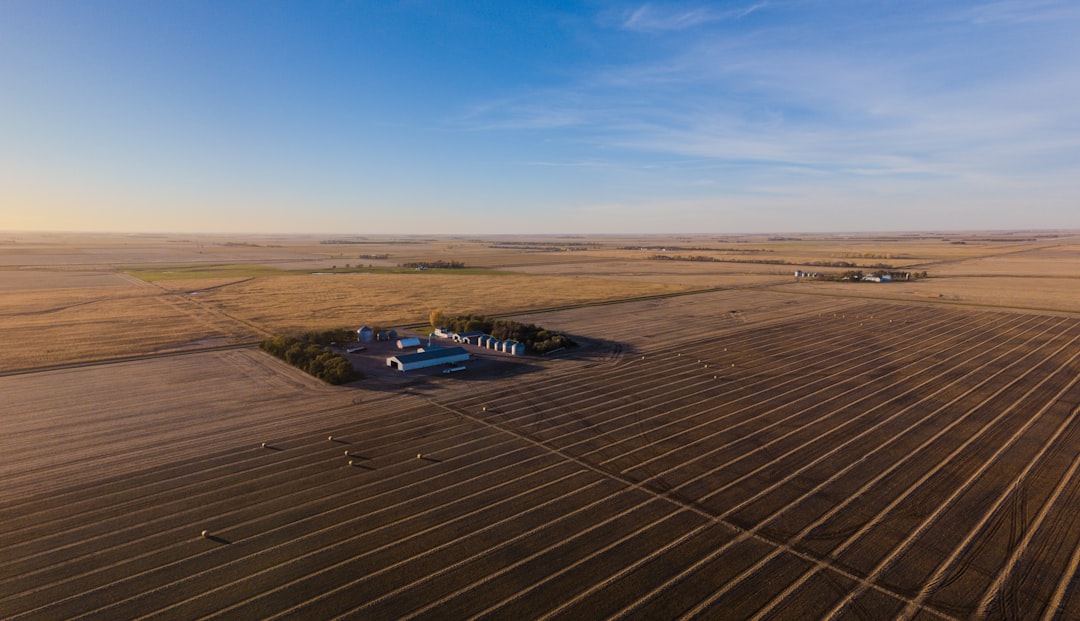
(760, 453)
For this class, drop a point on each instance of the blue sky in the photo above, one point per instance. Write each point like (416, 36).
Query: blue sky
(546, 117)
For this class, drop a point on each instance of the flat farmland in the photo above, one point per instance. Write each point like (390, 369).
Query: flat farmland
(55, 325)
(295, 303)
(733, 454)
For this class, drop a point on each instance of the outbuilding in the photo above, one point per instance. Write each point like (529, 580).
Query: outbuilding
(430, 358)
(412, 341)
(468, 337)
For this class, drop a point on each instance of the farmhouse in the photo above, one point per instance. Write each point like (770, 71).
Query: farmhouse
(429, 358)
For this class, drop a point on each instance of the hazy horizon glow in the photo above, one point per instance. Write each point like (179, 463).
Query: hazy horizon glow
(556, 117)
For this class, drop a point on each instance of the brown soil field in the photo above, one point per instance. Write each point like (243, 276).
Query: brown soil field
(733, 454)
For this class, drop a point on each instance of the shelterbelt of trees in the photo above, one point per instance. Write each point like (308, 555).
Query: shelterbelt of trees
(432, 265)
(309, 352)
(536, 339)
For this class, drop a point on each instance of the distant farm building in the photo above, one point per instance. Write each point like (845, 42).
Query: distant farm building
(471, 338)
(365, 334)
(412, 341)
(429, 358)
(483, 340)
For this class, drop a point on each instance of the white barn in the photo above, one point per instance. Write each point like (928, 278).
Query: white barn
(431, 358)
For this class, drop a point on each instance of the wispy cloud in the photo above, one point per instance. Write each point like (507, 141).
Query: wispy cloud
(802, 106)
(647, 18)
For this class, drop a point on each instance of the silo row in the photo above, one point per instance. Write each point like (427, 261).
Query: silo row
(507, 347)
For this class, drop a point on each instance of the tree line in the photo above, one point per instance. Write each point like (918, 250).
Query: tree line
(536, 339)
(709, 259)
(860, 275)
(310, 354)
(440, 264)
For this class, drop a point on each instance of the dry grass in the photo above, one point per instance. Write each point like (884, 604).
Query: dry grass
(293, 303)
(689, 273)
(67, 299)
(1062, 261)
(36, 280)
(39, 328)
(1026, 293)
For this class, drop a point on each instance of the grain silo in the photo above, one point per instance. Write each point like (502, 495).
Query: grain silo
(365, 334)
